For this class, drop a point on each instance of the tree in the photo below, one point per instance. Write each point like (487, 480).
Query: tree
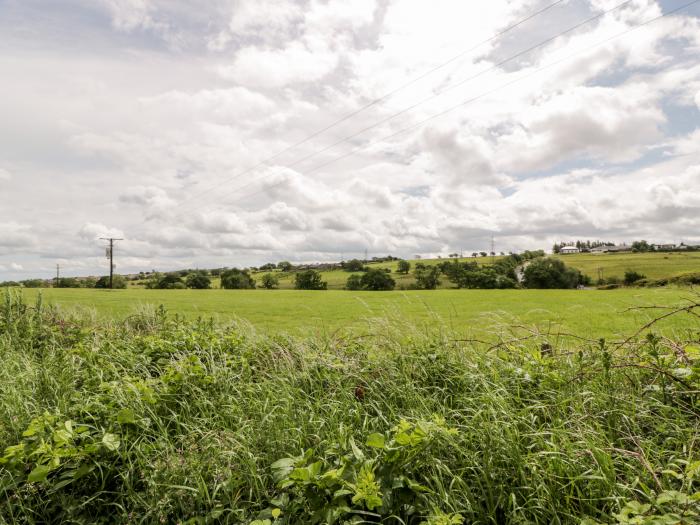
(118, 282)
(285, 266)
(353, 265)
(354, 282)
(33, 283)
(270, 281)
(427, 277)
(198, 280)
(309, 280)
(640, 246)
(68, 282)
(376, 280)
(235, 279)
(632, 277)
(483, 254)
(403, 267)
(551, 273)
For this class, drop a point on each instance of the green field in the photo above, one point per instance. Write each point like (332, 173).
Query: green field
(601, 313)
(653, 265)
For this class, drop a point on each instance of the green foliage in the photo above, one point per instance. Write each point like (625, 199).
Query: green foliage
(353, 265)
(285, 266)
(235, 279)
(161, 420)
(309, 280)
(551, 273)
(198, 280)
(632, 277)
(641, 246)
(375, 280)
(403, 267)
(471, 275)
(270, 281)
(118, 282)
(68, 282)
(33, 283)
(354, 282)
(382, 479)
(427, 277)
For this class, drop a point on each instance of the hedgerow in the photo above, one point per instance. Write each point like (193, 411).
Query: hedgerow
(155, 419)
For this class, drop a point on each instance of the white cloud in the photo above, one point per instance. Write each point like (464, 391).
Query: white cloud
(93, 231)
(150, 197)
(166, 145)
(266, 68)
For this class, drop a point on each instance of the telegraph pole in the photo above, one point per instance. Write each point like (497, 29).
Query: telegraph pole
(58, 271)
(493, 253)
(110, 256)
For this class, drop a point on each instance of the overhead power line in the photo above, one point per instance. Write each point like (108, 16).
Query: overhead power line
(110, 256)
(471, 100)
(451, 87)
(376, 101)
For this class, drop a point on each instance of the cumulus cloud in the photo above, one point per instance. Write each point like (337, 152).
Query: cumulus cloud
(185, 128)
(16, 237)
(150, 197)
(287, 217)
(93, 231)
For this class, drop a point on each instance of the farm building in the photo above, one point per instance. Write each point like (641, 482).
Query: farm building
(608, 249)
(569, 249)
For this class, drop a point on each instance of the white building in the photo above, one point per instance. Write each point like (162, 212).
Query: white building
(568, 249)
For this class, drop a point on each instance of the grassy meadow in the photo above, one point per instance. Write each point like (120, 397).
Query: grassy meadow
(604, 313)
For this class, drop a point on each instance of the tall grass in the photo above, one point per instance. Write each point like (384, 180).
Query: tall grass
(155, 419)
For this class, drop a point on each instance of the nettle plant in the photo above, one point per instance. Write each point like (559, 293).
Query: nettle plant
(346, 484)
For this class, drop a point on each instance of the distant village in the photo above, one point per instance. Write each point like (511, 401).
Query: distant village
(567, 248)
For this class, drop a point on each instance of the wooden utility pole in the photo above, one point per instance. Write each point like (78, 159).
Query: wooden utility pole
(58, 271)
(110, 256)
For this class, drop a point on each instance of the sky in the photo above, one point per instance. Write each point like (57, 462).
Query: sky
(240, 132)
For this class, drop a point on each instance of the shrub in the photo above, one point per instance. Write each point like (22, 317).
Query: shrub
(33, 283)
(309, 280)
(285, 266)
(427, 277)
(353, 265)
(235, 279)
(551, 273)
(632, 277)
(198, 280)
(403, 267)
(118, 282)
(354, 282)
(270, 281)
(376, 280)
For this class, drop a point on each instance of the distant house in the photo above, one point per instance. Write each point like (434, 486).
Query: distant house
(569, 249)
(661, 247)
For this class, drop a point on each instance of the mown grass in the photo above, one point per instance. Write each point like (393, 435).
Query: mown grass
(604, 313)
(155, 419)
